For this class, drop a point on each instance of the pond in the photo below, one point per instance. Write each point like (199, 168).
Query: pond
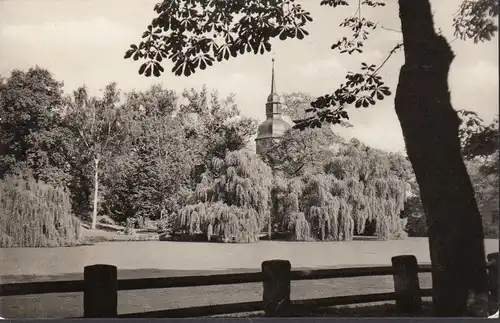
(162, 259)
(211, 256)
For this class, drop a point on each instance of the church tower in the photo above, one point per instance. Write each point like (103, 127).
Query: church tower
(274, 127)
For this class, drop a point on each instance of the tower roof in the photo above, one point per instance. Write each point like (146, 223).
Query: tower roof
(274, 126)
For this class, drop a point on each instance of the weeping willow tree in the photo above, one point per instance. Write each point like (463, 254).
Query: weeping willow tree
(35, 214)
(359, 186)
(231, 201)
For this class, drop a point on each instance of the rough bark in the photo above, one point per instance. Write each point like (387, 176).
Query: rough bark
(96, 193)
(430, 128)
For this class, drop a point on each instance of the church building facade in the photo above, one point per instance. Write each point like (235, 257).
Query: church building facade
(274, 127)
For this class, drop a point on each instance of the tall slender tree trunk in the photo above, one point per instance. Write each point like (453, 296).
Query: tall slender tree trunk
(96, 193)
(270, 226)
(430, 128)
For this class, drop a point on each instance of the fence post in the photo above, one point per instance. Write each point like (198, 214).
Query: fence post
(493, 259)
(100, 293)
(406, 284)
(276, 297)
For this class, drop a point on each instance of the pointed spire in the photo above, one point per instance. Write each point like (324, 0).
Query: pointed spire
(273, 96)
(273, 85)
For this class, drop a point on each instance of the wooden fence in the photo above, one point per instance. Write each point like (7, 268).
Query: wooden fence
(100, 288)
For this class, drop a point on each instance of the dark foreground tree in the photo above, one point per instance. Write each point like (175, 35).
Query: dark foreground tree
(480, 151)
(430, 128)
(192, 34)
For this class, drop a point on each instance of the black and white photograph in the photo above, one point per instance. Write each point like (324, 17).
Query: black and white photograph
(249, 159)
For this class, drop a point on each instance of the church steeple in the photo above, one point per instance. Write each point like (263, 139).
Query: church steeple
(274, 126)
(273, 105)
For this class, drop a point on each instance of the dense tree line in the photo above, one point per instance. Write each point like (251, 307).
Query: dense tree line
(125, 155)
(157, 154)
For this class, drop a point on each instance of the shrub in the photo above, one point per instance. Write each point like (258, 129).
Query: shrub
(490, 229)
(35, 214)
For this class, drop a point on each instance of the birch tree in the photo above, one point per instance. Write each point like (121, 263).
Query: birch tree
(96, 125)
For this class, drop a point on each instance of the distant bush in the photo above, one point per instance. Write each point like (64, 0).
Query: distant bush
(417, 226)
(35, 214)
(490, 229)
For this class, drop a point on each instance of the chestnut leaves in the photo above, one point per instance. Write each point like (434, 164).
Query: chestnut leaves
(361, 89)
(193, 34)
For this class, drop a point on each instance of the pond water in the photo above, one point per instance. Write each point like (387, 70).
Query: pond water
(210, 256)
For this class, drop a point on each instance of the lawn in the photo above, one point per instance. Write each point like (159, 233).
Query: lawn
(155, 259)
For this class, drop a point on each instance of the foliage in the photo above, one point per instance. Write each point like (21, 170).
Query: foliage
(480, 149)
(141, 156)
(156, 167)
(358, 185)
(414, 213)
(30, 136)
(486, 186)
(476, 138)
(476, 20)
(35, 214)
(96, 121)
(215, 124)
(296, 106)
(98, 128)
(170, 137)
(195, 33)
(301, 152)
(231, 200)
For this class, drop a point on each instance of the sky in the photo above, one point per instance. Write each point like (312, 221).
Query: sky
(82, 42)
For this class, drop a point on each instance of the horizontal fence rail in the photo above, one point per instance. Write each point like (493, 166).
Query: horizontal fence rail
(100, 289)
(61, 286)
(190, 281)
(76, 286)
(340, 273)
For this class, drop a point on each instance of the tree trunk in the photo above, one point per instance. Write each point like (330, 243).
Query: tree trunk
(269, 227)
(430, 128)
(96, 193)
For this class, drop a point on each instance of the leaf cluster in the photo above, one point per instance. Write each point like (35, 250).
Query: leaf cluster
(361, 89)
(477, 139)
(195, 33)
(476, 20)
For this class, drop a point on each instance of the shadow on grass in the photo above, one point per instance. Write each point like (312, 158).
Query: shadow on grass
(374, 310)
